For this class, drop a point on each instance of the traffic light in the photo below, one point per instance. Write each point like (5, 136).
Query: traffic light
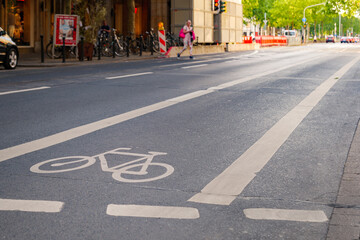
(216, 6)
(223, 7)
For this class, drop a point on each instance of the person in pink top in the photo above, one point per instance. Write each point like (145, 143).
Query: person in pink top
(188, 31)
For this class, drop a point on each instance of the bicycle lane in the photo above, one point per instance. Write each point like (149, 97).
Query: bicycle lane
(139, 135)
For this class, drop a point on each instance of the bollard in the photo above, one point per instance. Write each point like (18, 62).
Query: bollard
(151, 44)
(227, 47)
(113, 46)
(42, 48)
(141, 44)
(63, 49)
(99, 48)
(81, 57)
(127, 46)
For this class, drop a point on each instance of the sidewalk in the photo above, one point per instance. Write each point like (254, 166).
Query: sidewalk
(34, 60)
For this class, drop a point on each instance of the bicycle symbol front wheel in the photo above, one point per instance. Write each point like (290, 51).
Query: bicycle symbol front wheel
(63, 164)
(119, 175)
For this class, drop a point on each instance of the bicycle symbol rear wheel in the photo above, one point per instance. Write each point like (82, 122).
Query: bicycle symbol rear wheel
(119, 174)
(56, 163)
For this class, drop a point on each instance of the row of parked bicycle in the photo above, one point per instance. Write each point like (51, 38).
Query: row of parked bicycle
(119, 45)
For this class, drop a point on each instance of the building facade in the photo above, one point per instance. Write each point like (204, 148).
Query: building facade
(26, 20)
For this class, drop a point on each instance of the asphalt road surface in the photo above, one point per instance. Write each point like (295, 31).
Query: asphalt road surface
(247, 145)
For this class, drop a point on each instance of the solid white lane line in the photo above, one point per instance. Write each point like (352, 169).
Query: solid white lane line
(195, 66)
(130, 75)
(209, 60)
(24, 90)
(233, 180)
(21, 149)
(286, 215)
(146, 211)
(30, 205)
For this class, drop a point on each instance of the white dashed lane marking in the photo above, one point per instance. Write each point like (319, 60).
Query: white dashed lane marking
(146, 211)
(23, 90)
(30, 205)
(129, 75)
(285, 215)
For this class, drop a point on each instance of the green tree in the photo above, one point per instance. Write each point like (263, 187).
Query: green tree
(347, 8)
(92, 13)
(289, 13)
(255, 10)
(131, 16)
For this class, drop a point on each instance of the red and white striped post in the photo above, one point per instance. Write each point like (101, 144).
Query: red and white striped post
(162, 38)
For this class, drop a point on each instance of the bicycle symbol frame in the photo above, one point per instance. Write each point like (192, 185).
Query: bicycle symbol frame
(119, 171)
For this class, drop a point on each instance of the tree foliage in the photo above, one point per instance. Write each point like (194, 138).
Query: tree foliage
(92, 13)
(289, 13)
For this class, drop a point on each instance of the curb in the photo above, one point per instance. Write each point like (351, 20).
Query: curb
(94, 62)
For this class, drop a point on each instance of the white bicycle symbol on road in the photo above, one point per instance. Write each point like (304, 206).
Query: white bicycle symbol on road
(120, 172)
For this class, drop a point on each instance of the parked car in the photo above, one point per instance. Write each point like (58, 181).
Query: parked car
(330, 39)
(9, 53)
(347, 40)
(356, 39)
(290, 33)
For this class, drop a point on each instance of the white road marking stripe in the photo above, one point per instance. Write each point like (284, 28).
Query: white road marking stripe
(21, 149)
(285, 215)
(130, 75)
(152, 211)
(195, 66)
(24, 90)
(30, 205)
(191, 62)
(233, 180)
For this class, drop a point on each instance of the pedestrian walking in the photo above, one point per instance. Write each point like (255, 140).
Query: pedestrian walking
(188, 32)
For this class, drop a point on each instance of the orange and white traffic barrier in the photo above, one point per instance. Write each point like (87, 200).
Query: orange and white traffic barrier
(162, 41)
(162, 38)
(247, 40)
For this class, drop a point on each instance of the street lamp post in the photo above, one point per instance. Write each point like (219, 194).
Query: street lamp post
(304, 18)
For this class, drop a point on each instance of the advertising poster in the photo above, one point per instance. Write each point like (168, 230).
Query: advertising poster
(66, 26)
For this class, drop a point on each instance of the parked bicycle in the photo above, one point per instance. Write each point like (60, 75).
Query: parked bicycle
(152, 41)
(119, 44)
(139, 167)
(172, 40)
(70, 51)
(104, 43)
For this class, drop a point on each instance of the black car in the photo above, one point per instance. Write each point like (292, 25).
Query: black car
(9, 54)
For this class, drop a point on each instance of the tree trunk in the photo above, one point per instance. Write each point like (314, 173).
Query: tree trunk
(67, 7)
(131, 17)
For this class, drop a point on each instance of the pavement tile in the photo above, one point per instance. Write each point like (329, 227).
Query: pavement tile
(337, 232)
(345, 220)
(353, 164)
(349, 188)
(351, 177)
(348, 200)
(347, 211)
